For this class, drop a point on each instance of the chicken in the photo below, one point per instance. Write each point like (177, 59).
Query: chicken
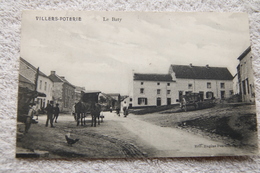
(71, 141)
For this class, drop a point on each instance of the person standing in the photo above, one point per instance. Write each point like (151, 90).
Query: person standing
(28, 120)
(56, 112)
(50, 111)
(37, 110)
(118, 109)
(125, 109)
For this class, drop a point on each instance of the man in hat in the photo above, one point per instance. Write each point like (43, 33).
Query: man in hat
(50, 111)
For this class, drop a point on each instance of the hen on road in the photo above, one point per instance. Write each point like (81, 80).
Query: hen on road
(71, 141)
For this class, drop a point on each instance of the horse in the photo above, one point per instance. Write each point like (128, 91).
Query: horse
(84, 108)
(81, 110)
(95, 114)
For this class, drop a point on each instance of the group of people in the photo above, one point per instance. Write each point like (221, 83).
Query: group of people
(52, 113)
(125, 109)
(34, 110)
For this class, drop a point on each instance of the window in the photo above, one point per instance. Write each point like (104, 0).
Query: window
(231, 92)
(168, 91)
(189, 86)
(158, 83)
(142, 83)
(168, 84)
(141, 90)
(45, 86)
(244, 87)
(158, 91)
(222, 85)
(247, 83)
(208, 84)
(131, 99)
(142, 101)
(40, 84)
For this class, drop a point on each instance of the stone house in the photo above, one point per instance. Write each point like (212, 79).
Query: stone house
(167, 89)
(63, 92)
(245, 76)
(27, 78)
(152, 90)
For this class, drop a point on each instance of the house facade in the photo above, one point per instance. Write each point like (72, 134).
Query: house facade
(167, 89)
(28, 76)
(209, 82)
(63, 92)
(152, 90)
(245, 76)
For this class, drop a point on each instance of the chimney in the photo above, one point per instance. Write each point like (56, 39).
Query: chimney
(190, 64)
(207, 66)
(52, 72)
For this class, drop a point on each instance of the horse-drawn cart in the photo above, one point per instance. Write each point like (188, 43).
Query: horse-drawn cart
(88, 105)
(195, 100)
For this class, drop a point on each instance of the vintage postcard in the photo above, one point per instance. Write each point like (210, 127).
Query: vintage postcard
(135, 85)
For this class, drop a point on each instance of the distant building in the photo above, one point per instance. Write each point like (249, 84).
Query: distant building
(63, 92)
(167, 89)
(27, 78)
(79, 91)
(116, 100)
(245, 76)
(208, 81)
(152, 90)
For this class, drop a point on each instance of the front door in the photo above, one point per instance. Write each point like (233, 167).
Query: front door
(180, 95)
(158, 101)
(169, 101)
(222, 94)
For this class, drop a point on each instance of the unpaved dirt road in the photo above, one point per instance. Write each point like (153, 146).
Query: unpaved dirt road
(120, 137)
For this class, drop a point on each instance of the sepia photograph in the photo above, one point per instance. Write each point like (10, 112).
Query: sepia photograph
(135, 85)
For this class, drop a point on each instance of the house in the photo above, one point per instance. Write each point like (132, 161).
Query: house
(209, 82)
(152, 90)
(167, 89)
(28, 75)
(245, 76)
(63, 92)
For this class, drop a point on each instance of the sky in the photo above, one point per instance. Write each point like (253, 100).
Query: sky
(103, 55)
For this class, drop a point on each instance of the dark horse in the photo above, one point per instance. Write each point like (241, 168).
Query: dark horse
(82, 109)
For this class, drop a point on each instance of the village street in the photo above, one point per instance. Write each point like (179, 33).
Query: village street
(116, 135)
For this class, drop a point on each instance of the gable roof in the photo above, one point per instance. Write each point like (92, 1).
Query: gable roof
(32, 67)
(56, 78)
(153, 77)
(244, 53)
(201, 72)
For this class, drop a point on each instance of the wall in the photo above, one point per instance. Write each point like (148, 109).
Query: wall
(57, 94)
(68, 97)
(201, 85)
(150, 92)
(45, 85)
(246, 74)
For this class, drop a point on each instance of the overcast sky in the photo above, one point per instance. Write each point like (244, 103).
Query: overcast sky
(102, 55)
